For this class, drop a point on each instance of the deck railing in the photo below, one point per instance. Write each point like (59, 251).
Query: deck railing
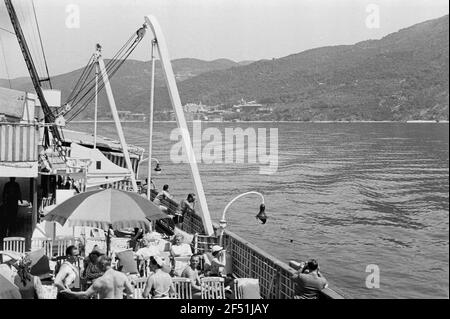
(249, 261)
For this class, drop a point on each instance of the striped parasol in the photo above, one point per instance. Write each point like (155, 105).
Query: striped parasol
(105, 209)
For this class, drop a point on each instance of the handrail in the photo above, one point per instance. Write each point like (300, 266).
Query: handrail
(278, 281)
(258, 250)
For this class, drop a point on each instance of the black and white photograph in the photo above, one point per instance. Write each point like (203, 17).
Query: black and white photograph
(224, 154)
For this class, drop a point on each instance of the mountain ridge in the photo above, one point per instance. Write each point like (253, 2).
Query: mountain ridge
(402, 76)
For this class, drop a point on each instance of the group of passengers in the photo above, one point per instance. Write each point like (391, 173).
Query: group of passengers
(103, 281)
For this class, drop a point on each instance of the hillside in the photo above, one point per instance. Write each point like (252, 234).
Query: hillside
(403, 76)
(132, 79)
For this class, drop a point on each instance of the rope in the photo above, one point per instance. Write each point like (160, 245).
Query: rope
(6, 65)
(111, 74)
(42, 46)
(3, 29)
(81, 81)
(77, 84)
(111, 68)
(78, 91)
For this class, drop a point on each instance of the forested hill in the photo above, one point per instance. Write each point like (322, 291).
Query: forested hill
(403, 76)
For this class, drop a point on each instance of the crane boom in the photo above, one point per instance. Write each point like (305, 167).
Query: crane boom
(48, 114)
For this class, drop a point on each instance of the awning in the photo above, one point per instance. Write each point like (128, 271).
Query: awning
(19, 169)
(100, 170)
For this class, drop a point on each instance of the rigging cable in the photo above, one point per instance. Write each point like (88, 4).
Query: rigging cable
(4, 59)
(111, 68)
(6, 30)
(76, 91)
(111, 74)
(42, 46)
(81, 81)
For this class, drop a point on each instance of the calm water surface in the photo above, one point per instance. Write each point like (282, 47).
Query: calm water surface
(349, 195)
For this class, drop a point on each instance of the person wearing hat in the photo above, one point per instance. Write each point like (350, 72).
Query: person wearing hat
(91, 269)
(218, 261)
(159, 283)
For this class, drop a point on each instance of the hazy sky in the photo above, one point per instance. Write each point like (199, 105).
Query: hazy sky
(206, 29)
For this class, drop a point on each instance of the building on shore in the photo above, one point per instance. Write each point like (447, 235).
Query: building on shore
(249, 107)
(130, 116)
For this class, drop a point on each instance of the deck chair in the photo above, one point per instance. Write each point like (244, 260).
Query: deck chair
(45, 243)
(246, 288)
(16, 244)
(183, 288)
(139, 286)
(213, 288)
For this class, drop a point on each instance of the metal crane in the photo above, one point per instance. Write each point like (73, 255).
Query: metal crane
(49, 117)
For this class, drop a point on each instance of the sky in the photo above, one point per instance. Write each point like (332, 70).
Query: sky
(204, 29)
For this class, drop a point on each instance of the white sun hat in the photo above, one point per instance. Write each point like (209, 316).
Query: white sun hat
(10, 256)
(216, 248)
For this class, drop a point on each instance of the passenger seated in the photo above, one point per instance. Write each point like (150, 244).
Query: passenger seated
(217, 263)
(180, 253)
(159, 283)
(191, 272)
(92, 270)
(179, 248)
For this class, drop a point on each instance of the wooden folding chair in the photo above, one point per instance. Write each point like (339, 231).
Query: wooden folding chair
(213, 288)
(139, 286)
(16, 244)
(236, 290)
(254, 292)
(183, 288)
